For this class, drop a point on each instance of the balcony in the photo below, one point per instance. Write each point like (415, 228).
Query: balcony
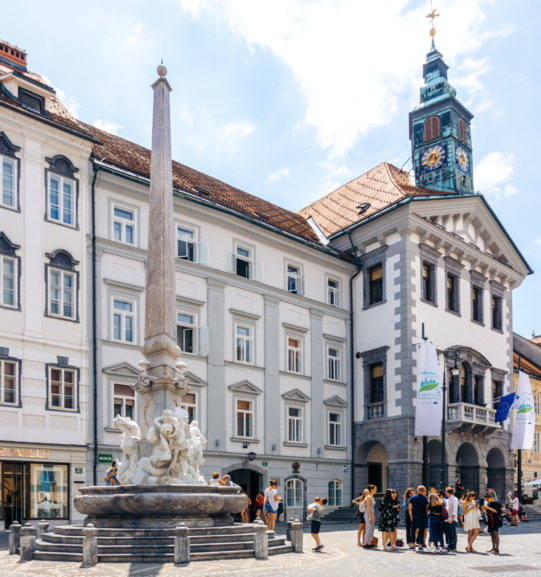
(375, 411)
(462, 417)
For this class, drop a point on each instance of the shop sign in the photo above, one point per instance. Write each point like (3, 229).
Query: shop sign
(265, 464)
(105, 458)
(345, 468)
(78, 470)
(24, 453)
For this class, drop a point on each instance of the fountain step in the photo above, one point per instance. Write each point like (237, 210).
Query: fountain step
(77, 530)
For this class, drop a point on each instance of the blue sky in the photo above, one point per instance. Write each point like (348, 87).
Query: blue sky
(288, 99)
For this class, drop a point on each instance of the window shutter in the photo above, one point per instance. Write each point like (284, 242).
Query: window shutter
(203, 252)
(203, 341)
(432, 128)
(462, 132)
(233, 263)
(258, 271)
(300, 285)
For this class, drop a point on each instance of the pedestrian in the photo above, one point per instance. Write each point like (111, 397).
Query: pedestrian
(459, 488)
(271, 503)
(493, 510)
(226, 480)
(280, 510)
(386, 520)
(396, 514)
(435, 508)
(515, 504)
(245, 513)
(259, 502)
(370, 517)
(522, 514)
(111, 476)
(418, 510)
(452, 512)
(315, 511)
(361, 516)
(410, 535)
(216, 481)
(470, 508)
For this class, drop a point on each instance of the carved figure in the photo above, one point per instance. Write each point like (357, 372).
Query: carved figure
(129, 443)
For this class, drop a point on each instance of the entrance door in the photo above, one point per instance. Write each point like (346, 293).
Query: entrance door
(375, 476)
(14, 492)
(251, 482)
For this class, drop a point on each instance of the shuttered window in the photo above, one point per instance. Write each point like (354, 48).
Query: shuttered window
(462, 132)
(432, 128)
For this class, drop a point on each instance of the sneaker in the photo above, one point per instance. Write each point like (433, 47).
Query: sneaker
(319, 547)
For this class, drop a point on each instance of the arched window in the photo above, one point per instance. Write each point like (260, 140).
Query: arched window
(463, 383)
(294, 490)
(432, 128)
(451, 387)
(335, 493)
(462, 132)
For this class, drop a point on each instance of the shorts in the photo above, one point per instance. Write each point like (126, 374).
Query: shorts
(514, 513)
(269, 509)
(361, 519)
(259, 508)
(316, 526)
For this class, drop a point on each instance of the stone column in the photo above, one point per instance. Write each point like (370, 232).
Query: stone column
(261, 541)
(14, 538)
(317, 428)
(28, 543)
(42, 528)
(288, 529)
(90, 546)
(272, 375)
(182, 545)
(296, 536)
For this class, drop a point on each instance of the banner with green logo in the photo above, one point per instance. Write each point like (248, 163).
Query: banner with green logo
(429, 399)
(523, 432)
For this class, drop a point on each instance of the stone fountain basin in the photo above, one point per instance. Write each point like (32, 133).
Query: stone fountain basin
(163, 505)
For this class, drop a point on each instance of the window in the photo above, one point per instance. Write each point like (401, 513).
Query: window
(333, 292)
(294, 493)
(186, 243)
(8, 281)
(536, 442)
(245, 344)
(335, 429)
(8, 182)
(188, 402)
(123, 225)
(428, 280)
(61, 293)
(452, 293)
(294, 355)
(462, 131)
(463, 384)
(497, 391)
(124, 401)
(376, 383)
(496, 313)
(293, 279)
(245, 418)
(451, 381)
(62, 383)
(335, 493)
(61, 200)
(49, 491)
(477, 390)
(294, 424)
(31, 100)
(123, 321)
(432, 128)
(242, 263)
(186, 332)
(8, 382)
(477, 307)
(333, 363)
(536, 404)
(376, 284)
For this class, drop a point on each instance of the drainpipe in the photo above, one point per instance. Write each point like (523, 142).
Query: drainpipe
(352, 363)
(94, 330)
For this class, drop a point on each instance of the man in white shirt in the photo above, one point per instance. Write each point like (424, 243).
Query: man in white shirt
(452, 509)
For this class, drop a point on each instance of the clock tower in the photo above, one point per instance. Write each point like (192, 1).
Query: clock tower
(440, 132)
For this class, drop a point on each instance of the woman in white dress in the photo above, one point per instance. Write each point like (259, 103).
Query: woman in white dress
(470, 509)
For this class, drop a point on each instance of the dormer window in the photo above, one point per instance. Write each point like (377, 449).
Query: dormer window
(432, 128)
(462, 132)
(30, 100)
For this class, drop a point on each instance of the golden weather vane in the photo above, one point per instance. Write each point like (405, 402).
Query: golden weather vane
(433, 14)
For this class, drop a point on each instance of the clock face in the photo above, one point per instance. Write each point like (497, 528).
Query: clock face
(434, 157)
(462, 159)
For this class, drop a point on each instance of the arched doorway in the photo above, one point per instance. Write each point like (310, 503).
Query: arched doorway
(370, 466)
(250, 481)
(496, 472)
(434, 463)
(467, 463)
(295, 506)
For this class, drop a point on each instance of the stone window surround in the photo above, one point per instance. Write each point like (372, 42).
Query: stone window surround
(112, 202)
(497, 289)
(68, 171)
(368, 261)
(476, 368)
(62, 260)
(336, 405)
(120, 380)
(431, 256)
(197, 229)
(62, 363)
(183, 309)
(297, 400)
(245, 396)
(497, 375)
(4, 356)
(478, 280)
(333, 345)
(300, 281)
(455, 268)
(8, 149)
(339, 280)
(123, 291)
(304, 501)
(298, 334)
(252, 247)
(336, 482)
(7, 248)
(372, 357)
(246, 320)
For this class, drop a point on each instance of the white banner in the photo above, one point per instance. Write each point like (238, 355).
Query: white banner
(429, 396)
(525, 416)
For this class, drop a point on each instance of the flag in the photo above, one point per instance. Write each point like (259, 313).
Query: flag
(525, 417)
(505, 405)
(428, 410)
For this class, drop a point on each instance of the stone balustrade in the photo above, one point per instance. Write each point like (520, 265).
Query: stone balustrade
(475, 415)
(376, 411)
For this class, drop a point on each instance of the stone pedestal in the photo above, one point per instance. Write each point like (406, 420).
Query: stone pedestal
(14, 538)
(182, 545)
(296, 536)
(43, 526)
(90, 546)
(28, 543)
(261, 542)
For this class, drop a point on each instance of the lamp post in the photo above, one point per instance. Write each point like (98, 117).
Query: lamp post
(452, 353)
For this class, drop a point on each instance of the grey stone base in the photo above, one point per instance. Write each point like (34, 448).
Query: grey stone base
(117, 522)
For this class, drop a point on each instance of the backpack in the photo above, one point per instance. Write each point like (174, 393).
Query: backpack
(444, 513)
(362, 507)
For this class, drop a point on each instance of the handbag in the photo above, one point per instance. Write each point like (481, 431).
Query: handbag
(444, 513)
(375, 542)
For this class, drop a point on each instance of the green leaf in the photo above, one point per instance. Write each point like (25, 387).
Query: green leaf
(526, 409)
(428, 387)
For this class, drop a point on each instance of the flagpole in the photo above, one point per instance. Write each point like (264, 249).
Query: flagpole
(519, 457)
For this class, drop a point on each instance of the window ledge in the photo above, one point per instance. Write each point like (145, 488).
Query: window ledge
(238, 364)
(374, 305)
(112, 430)
(429, 303)
(478, 322)
(291, 444)
(296, 375)
(12, 208)
(244, 440)
(121, 344)
(335, 448)
(453, 312)
(331, 382)
(496, 330)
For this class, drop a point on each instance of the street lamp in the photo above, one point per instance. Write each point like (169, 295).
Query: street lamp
(452, 353)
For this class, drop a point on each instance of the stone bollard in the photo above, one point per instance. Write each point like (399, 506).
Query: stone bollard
(182, 545)
(261, 541)
(42, 528)
(28, 543)
(296, 536)
(288, 529)
(14, 538)
(90, 546)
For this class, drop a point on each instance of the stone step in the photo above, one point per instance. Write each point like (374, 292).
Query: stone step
(77, 530)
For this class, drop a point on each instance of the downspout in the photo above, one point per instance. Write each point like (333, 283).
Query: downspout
(352, 364)
(94, 330)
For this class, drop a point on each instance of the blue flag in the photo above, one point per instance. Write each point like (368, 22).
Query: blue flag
(504, 407)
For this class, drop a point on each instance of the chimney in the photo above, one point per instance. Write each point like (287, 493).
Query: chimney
(12, 56)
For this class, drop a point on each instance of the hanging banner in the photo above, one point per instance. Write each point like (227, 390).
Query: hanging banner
(429, 397)
(524, 417)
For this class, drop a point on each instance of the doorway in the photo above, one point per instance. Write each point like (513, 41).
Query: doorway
(375, 475)
(251, 482)
(14, 491)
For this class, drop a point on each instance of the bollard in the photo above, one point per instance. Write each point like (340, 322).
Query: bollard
(261, 541)
(28, 543)
(90, 546)
(182, 545)
(288, 529)
(14, 538)
(42, 528)
(296, 536)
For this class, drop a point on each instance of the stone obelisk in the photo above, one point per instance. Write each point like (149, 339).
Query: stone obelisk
(161, 383)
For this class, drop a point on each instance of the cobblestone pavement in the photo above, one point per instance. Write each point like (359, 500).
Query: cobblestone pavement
(521, 555)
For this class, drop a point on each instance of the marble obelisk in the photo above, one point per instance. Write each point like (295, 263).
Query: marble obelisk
(161, 383)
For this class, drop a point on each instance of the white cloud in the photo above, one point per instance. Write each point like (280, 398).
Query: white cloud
(492, 176)
(297, 126)
(239, 129)
(283, 173)
(135, 35)
(69, 102)
(187, 117)
(343, 53)
(107, 125)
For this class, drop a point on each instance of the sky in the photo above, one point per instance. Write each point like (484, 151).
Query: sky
(289, 99)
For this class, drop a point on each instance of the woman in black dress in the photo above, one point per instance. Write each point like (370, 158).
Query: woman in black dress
(396, 510)
(493, 509)
(387, 519)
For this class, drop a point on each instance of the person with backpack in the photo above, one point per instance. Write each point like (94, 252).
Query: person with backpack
(359, 515)
(494, 513)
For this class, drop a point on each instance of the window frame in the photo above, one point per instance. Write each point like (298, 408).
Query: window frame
(536, 443)
(124, 398)
(8, 152)
(332, 499)
(249, 259)
(537, 403)
(250, 338)
(298, 426)
(185, 405)
(61, 179)
(296, 482)
(29, 93)
(123, 314)
(477, 304)
(16, 171)
(61, 167)
(299, 278)
(244, 412)
(462, 131)
(334, 425)
(49, 367)
(429, 132)
(335, 361)
(123, 222)
(193, 241)
(16, 281)
(62, 272)
(498, 325)
(374, 288)
(193, 327)
(18, 366)
(335, 291)
(371, 368)
(297, 351)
